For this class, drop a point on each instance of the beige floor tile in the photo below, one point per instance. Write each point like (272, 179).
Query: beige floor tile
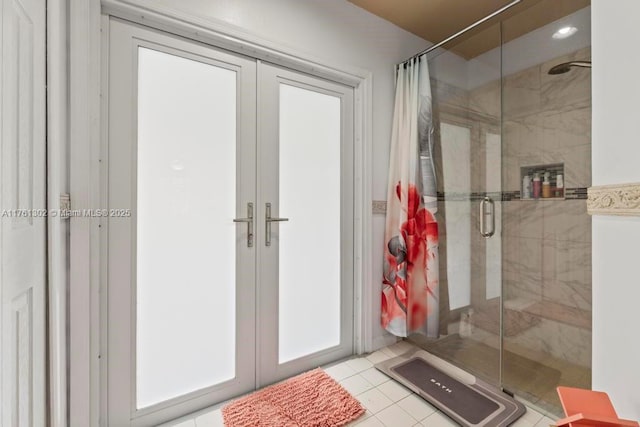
(374, 400)
(395, 416)
(360, 364)
(378, 356)
(545, 422)
(356, 384)
(340, 371)
(394, 390)
(438, 419)
(371, 422)
(210, 419)
(416, 406)
(359, 420)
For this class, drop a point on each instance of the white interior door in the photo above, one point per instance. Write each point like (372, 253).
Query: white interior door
(305, 190)
(208, 295)
(23, 223)
(181, 273)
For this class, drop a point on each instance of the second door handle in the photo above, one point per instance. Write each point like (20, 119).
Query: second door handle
(268, 219)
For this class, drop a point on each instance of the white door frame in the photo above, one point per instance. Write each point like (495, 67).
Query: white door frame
(87, 184)
(85, 129)
(58, 228)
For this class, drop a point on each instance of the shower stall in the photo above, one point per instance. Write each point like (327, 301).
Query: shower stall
(512, 129)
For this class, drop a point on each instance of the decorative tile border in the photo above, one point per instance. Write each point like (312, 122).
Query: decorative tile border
(578, 193)
(379, 207)
(617, 199)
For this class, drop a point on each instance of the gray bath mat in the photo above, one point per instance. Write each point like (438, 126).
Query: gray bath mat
(466, 399)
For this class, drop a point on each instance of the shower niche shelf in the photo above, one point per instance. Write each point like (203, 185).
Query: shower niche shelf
(552, 173)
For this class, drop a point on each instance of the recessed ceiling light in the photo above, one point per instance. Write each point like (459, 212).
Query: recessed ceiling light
(565, 32)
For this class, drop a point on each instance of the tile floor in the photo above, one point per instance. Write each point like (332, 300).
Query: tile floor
(388, 403)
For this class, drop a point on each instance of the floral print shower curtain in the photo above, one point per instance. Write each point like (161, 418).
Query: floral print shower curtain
(410, 282)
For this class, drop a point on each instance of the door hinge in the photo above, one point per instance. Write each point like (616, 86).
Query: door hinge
(65, 206)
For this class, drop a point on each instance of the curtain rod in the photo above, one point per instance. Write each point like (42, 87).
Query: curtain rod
(461, 32)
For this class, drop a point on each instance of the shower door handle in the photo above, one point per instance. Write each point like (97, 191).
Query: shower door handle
(249, 221)
(487, 211)
(268, 220)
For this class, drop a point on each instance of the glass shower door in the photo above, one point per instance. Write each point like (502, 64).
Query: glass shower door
(467, 155)
(547, 231)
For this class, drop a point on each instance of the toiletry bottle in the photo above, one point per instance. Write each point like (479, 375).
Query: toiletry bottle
(537, 188)
(546, 185)
(559, 185)
(526, 187)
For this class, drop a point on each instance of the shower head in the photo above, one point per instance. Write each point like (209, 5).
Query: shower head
(566, 66)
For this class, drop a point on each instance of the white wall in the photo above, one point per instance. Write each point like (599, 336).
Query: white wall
(344, 35)
(616, 241)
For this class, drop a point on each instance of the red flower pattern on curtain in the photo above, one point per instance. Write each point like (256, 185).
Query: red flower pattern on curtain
(406, 283)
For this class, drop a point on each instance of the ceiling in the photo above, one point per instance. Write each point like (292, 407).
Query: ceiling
(435, 20)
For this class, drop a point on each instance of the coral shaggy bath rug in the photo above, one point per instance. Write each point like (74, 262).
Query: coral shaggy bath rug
(308, 400)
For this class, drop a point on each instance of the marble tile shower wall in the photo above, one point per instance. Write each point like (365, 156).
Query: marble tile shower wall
(547, 243)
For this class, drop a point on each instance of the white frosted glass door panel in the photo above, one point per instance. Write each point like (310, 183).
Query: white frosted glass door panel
(186, 239)
(309, 243)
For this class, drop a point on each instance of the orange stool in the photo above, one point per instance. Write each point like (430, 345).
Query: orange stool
(589, 408)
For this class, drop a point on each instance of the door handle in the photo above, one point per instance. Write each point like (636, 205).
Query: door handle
(487, 210)
(268, 220)
(249, 221)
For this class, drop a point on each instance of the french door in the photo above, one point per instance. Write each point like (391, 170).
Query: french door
(229, 260)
